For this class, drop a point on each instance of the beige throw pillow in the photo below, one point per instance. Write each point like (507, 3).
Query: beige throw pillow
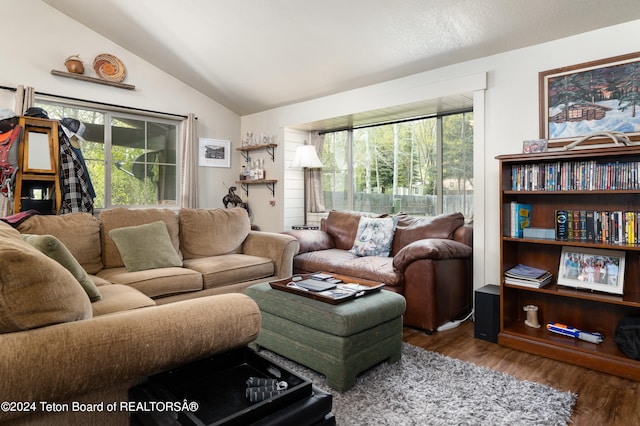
(79, 232)
(36, 290)
(212, 232)
(144, 247)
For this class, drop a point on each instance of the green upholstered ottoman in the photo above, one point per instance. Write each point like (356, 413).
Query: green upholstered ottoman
(339, 341)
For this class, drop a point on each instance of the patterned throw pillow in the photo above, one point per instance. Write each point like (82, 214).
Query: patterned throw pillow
(374, 236)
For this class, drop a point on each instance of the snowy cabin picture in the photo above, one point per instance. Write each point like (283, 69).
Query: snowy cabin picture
(600, 96)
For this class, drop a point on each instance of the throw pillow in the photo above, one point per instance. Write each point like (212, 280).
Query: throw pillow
(53, 248)
(228, 228)
(121, 217)
(374, 236)
(79, 232)
(36, 290)
(144, 247)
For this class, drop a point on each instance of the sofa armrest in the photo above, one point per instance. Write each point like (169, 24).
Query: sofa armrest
(312, 239)
(280, 248)
(60, 362)
(431, 248)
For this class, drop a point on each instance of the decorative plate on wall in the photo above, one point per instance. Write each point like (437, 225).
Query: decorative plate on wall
(109, 68)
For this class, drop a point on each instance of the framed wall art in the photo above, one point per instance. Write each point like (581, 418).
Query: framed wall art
(592, 97)
(592, 269)
(214, 152)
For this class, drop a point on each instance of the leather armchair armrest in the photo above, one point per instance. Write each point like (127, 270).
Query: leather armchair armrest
(312, 239)
(432, 248)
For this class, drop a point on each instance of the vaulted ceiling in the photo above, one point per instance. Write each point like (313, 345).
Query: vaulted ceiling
(254, 55)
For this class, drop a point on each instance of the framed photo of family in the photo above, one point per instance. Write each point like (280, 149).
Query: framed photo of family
(592, 269)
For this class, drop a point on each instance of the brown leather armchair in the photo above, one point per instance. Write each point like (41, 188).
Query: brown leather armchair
(430, 262)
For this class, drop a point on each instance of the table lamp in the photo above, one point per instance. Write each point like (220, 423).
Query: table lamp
(306, 158)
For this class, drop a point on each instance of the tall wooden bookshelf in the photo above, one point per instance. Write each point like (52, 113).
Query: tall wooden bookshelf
(583, 309)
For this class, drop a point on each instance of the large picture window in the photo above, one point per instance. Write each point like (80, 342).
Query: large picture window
(131, 159)
(422, 167)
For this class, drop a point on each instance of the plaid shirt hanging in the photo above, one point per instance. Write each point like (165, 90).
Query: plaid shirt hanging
(75, 183)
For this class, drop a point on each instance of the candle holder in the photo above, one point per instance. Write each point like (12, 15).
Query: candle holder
(532, 316)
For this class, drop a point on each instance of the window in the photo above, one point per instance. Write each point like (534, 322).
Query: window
(422, 167)
(131, 159)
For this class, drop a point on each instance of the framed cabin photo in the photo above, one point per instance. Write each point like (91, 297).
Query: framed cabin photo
(214, 152)
(592, 97)
(592, 269)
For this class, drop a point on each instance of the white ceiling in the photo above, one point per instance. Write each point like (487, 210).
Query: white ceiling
(253, 55)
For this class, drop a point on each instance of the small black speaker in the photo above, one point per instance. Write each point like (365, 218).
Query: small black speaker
(487, 313)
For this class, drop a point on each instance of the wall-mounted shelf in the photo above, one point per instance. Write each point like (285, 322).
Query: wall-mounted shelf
(93, 80)
(270, 184)
(270, 147)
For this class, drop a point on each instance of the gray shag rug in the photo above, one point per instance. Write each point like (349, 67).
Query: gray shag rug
(427, 388)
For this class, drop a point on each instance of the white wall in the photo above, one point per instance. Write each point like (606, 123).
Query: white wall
(506, 113)
(505, 91)
(37, 38)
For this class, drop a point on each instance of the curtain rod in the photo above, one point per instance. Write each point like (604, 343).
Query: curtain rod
(13, 89)
(398, 121)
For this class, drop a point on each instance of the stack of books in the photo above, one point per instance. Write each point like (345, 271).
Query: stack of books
(527, 276)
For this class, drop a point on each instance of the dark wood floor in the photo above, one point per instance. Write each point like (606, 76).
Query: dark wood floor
(603, 399)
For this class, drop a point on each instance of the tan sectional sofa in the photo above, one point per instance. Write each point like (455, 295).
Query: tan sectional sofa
(57, 348)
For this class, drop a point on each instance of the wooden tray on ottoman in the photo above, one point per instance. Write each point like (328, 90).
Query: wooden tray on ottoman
(349, 289)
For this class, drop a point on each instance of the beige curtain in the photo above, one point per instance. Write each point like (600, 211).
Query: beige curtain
(24, 99)
(315, 202)
(189, 181)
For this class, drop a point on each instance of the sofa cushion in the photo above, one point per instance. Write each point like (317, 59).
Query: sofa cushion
(212, 232)
(374, 236)
(230, 268)
(156, 282)
(145, 246)
(374, 268)
(342, 226)
(79, 232)
(53, 248)
(118, 298)
(35, 290)
(122, 217)
(410, 229)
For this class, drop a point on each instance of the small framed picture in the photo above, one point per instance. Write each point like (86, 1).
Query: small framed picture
(534, 145)
(592, 269)
(214, 153)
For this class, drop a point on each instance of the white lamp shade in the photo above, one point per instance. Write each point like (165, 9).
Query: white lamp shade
(306, 157)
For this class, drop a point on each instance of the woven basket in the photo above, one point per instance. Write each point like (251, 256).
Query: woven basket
(109, 68)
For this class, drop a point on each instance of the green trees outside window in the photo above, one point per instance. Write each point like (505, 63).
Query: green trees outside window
(132, 160)
(422, 167)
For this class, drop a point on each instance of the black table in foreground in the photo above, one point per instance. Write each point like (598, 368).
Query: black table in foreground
(218, 387)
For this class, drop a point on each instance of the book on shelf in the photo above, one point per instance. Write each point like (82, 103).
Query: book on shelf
(527, 276)
(528, 283)
(525, 272)
(562, 225)
(520, 218)
(576, 176)
(596, 226)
